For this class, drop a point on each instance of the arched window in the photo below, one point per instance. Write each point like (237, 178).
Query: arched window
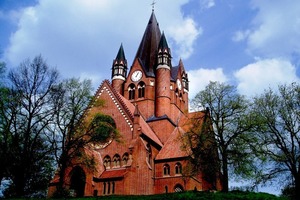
(141, 90)
(131, 90)
(178, 168)
(116, 160)
(125, 159)
(107, 162)
(166, 170)
(178, 188)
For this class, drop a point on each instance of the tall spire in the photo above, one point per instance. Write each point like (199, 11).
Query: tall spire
(147, 50)
(119, 70)
(121, 55)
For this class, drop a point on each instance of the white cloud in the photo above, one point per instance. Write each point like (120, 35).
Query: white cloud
(200, 78)
(254, 78)
(275, 28)
(206, 4)
(240, 35)
(185, 35)
(83, 36)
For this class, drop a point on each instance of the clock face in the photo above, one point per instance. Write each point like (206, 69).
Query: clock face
(136, 75)
(178, 84)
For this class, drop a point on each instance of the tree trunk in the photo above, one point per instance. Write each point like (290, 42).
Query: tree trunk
(63, 165)
(225, 173)
(19, 182)
(297, 187)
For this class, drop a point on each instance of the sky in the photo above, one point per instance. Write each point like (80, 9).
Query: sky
(253, 44)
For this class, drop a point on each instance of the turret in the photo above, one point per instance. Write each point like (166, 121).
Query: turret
(163, 78)
(119, 71)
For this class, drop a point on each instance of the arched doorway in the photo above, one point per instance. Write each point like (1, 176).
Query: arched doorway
(178, 188)
(77, 181)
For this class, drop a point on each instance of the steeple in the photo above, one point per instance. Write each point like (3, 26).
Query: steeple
(119, 70)
(147, 51)
(164, 54)
(163, 76)
(121, 55)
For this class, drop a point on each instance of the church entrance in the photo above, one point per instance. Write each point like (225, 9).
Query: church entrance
(77, 181)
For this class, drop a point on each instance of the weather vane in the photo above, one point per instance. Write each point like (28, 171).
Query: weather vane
(153, 3)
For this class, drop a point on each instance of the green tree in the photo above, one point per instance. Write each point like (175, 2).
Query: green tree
(3, 126)
(231, 123)
(71, 131)
(28, 115)
(200, 144)
(279, 134)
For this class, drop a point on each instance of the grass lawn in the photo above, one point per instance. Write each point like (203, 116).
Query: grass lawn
(235, 195)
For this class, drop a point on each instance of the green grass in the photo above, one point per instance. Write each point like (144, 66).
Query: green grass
(235, 195)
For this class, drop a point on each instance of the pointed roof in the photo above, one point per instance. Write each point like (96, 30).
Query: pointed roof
(147, 50)
(163, 43)
(121, 54)
(176, 70)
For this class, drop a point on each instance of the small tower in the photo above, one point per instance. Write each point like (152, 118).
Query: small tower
(163, 77)
(119, 71)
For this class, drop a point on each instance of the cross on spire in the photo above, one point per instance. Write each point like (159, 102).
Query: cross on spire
(153, 3)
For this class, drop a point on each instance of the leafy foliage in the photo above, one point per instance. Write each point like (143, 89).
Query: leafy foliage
(231, 125)
(200, 144)
(25, 114)
(279, 134)
(103, 128)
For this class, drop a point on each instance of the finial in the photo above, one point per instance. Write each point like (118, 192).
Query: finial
(153, 3)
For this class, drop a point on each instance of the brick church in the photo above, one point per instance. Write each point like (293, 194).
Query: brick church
(149, 104)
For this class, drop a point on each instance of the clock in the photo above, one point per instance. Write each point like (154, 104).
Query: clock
(136, 75)
(178, 84)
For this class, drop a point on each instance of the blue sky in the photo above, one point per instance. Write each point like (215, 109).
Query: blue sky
(253, 44)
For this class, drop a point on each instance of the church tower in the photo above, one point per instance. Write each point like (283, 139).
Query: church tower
(163, 77)
(119, 71)
(148, 104)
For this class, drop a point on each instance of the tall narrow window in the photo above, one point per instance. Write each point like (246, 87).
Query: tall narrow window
(108, 188)
(104, 188)
(149, 154)
(131, 90)
(113, 188)
(166, 170)
(178, 168)
(141, 90)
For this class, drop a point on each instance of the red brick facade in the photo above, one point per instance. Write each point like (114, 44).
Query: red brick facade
(150, 108)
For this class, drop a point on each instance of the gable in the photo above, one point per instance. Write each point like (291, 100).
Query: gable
(173, 148)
